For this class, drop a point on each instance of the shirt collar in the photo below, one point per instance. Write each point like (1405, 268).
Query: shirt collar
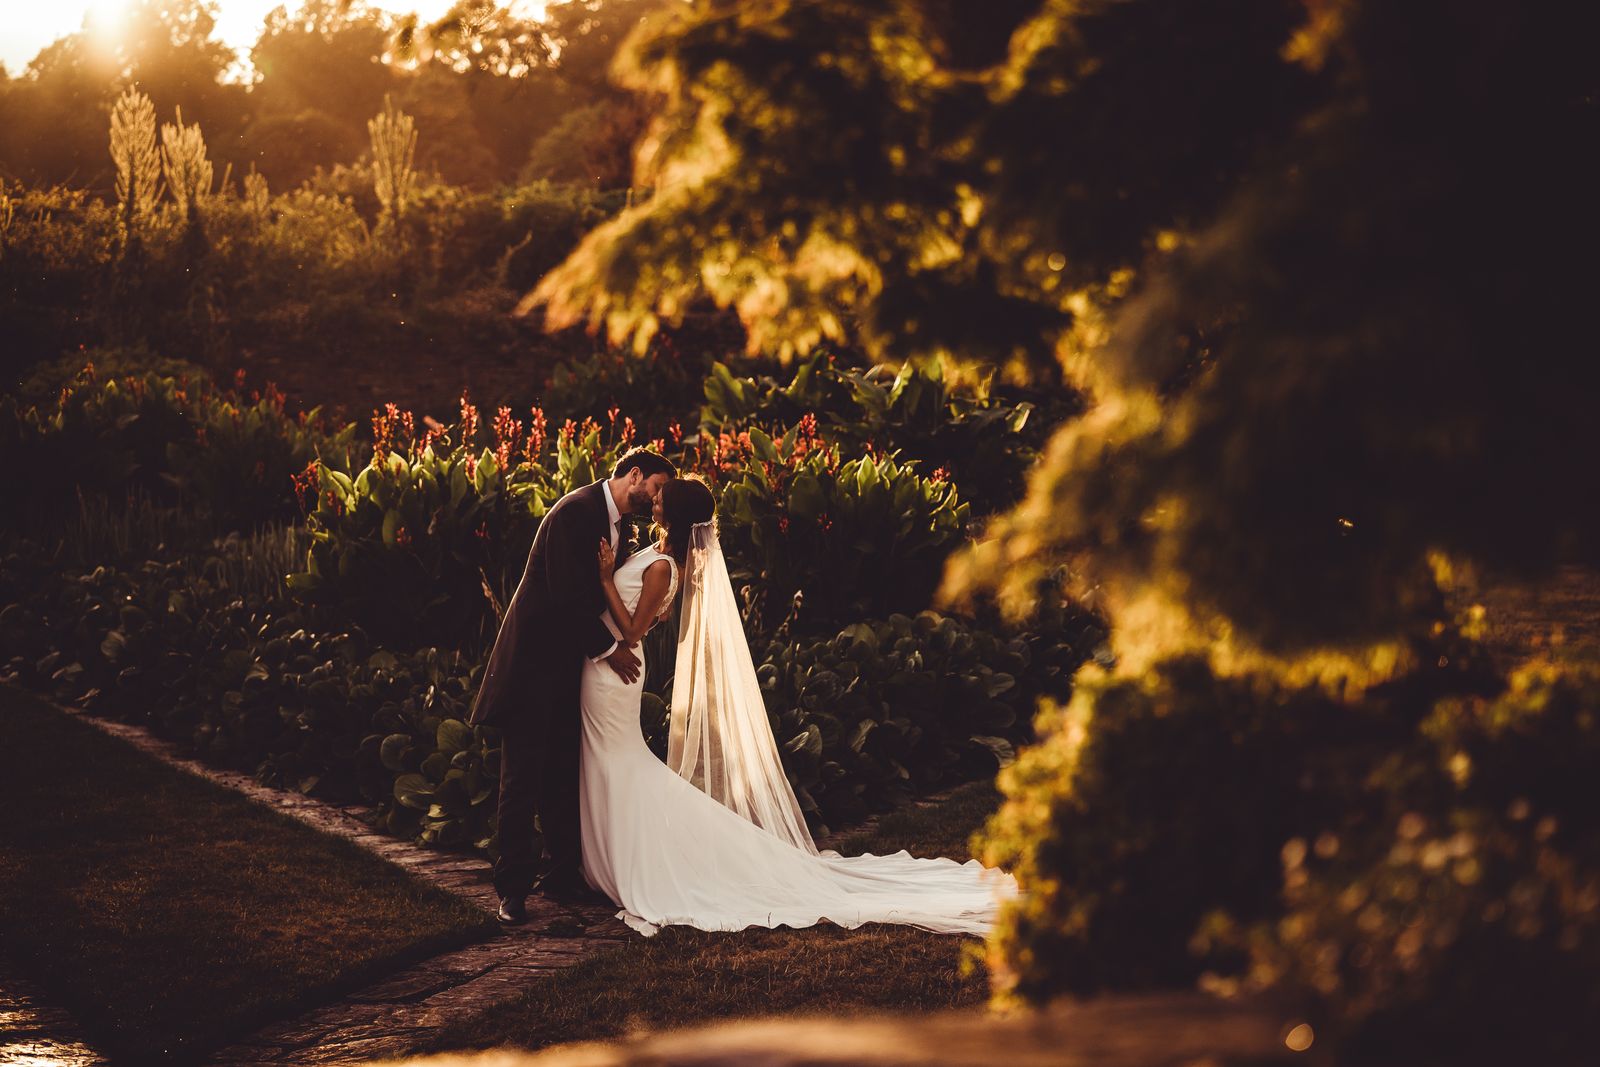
(611, 503)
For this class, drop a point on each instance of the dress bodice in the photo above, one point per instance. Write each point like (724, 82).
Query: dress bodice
(629, 577)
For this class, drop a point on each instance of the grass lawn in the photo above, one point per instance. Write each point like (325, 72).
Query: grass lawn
(170, 915)
(683, 976)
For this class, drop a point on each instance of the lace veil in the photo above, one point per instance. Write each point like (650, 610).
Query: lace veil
(719, 737)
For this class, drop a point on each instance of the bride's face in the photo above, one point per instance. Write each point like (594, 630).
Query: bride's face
(657, 514)
(646, 493)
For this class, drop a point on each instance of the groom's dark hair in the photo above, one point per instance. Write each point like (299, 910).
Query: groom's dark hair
(648, 462)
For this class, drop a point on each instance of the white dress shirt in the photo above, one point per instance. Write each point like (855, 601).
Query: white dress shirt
(615, 517)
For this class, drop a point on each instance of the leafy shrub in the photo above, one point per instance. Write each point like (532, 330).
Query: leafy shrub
(907, 706)
(1470, 898)
(228, 456)
(426, 543)
(856, 538)
(1150, 804)
(55, 247)
(1420, 866)
(543, 221)
(984, 441)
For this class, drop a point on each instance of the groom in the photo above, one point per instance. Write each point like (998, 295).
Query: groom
(530, 686)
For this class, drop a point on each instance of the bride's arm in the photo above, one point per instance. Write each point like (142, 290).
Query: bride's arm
(652, 596)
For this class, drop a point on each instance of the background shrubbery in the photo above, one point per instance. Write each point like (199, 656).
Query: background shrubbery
(321, 622)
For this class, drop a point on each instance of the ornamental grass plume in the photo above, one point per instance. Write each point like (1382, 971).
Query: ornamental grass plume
(137, 162)
(394, 151)
(183, 161)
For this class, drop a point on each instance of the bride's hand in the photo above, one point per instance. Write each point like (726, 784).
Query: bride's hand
(608, 560)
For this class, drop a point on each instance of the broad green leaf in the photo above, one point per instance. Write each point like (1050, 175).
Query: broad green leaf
(453, 736)
(413, 791)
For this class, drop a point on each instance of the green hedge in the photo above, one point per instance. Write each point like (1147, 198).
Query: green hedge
(1416, 867)
(907, 706)
(852, 538)
(982, 436)
(226, 454)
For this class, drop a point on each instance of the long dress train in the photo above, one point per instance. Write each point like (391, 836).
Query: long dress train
(669, 854)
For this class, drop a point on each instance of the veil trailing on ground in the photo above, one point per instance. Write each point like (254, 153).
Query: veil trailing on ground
(720, 738)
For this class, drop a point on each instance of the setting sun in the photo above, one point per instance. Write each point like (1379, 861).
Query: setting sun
(239, 23)
(105, 19)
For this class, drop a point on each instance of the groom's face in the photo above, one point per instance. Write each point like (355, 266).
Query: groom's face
(644, 492)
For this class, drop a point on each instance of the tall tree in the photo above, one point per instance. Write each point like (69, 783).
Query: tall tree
(830, 168)
(327, 56)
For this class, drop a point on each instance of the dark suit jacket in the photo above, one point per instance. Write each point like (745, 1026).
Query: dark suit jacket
(553, 621)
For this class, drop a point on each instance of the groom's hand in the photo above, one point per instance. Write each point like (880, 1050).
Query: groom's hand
(625, 663)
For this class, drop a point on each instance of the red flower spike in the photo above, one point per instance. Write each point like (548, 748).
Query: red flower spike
(536, 434)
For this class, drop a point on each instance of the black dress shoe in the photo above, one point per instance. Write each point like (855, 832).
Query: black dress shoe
(513, 911)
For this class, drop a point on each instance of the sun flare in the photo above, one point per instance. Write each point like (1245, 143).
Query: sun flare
(106, 17)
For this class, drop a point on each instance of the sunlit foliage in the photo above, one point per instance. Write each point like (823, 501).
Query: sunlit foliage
(394, 153)
(138, 161)
(183, 161)
(1236, 224)
(903, 171)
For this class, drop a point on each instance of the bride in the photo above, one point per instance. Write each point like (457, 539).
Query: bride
(714, 838)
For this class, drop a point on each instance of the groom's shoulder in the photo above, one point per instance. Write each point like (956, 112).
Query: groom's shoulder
(583, 497)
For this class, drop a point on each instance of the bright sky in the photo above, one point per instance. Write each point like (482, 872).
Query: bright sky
(26, 26)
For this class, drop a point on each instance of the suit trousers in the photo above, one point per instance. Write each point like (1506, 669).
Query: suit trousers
(538, 779)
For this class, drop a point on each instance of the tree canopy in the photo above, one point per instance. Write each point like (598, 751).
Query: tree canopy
(1302, 254)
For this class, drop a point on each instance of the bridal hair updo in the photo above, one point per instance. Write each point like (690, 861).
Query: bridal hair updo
(684, 502)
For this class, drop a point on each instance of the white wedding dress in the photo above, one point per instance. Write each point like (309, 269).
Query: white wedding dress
(671, 854)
